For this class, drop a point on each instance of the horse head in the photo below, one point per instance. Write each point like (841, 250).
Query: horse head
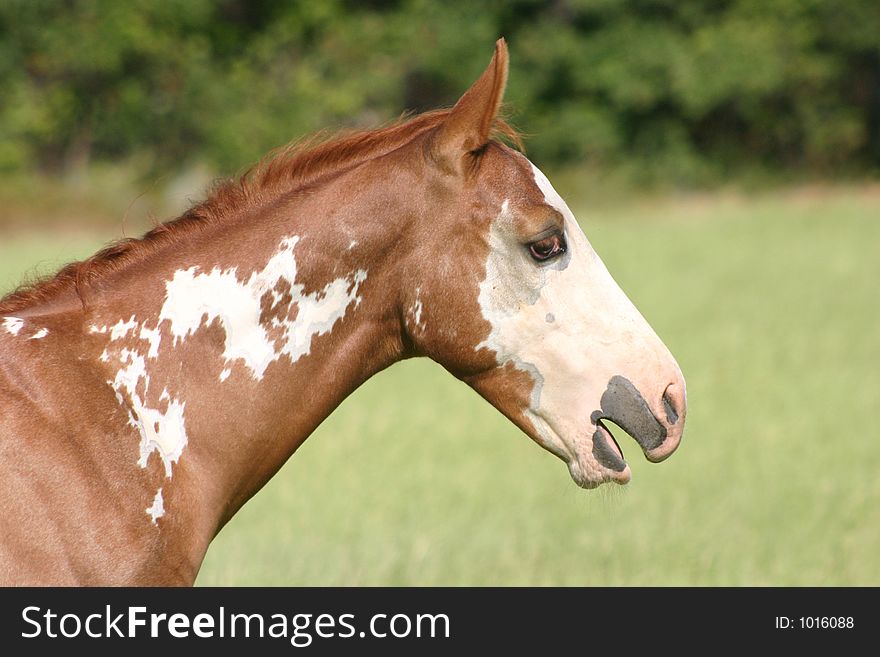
(508, 294)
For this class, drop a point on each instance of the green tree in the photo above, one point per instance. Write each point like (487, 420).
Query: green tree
(687, 89)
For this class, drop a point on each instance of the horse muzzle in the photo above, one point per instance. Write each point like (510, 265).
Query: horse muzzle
(657, 428)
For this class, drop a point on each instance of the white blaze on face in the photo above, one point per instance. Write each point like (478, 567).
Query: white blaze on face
(195, 299)
(40, 334)
(13, 324)
(566, 323)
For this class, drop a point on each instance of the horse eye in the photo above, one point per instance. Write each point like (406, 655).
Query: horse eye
(547, 248)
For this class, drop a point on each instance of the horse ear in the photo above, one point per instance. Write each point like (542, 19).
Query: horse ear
(469, 124)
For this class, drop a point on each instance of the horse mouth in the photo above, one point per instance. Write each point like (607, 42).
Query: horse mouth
(606, 449)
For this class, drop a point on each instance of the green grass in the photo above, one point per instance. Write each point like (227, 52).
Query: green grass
(771, 307)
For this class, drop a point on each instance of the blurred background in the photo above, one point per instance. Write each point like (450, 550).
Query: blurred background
(723, 156)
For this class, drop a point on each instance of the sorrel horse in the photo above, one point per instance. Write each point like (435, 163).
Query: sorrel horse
(148, 392)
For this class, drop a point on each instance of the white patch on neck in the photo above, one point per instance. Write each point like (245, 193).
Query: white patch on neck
(121, 329)
(13, 324)
(416, 310)
(154, 337)
(161, 431)
(157, 510)
(195, 299)
(39, 335)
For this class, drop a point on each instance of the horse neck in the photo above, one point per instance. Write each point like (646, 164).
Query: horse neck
(227, 350)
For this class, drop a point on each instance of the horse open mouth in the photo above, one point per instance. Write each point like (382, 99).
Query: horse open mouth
(606, 448)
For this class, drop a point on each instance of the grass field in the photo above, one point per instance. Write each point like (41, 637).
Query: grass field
(771, 305)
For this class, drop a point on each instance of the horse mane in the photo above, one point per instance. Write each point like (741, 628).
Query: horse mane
(294, 166)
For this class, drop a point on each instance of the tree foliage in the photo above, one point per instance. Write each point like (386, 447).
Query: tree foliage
(688, 88)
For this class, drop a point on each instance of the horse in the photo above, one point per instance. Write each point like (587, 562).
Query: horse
(147, 392)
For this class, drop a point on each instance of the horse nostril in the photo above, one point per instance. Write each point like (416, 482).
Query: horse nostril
(673, 403)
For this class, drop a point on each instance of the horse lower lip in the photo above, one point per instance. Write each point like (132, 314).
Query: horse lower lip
(606, 450)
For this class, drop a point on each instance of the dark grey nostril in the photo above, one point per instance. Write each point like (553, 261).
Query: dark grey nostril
(669, 407)
(624, 405)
